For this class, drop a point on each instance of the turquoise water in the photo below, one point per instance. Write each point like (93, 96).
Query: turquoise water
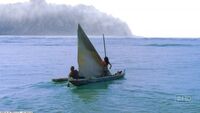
(162, 76)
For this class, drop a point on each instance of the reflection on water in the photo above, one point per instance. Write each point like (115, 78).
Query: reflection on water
(91, 91)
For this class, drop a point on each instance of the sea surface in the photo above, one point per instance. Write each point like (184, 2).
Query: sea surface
(162, 76)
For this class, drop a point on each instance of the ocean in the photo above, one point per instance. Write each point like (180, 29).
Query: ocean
(162, 76)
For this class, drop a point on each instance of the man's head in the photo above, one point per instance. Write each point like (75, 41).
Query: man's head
(106, 59)
(72, 68)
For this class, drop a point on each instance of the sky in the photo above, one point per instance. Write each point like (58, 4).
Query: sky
(148, 18)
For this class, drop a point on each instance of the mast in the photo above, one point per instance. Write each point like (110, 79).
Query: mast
(104, 43)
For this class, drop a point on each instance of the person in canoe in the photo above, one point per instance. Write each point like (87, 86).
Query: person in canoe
(106, 62)
(74, 73)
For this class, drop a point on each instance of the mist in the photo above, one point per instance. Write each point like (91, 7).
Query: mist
(40, 18)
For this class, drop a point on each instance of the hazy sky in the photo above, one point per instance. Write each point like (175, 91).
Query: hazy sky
(149, 18)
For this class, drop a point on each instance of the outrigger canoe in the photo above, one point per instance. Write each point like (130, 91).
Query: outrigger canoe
(90, 64)
(79, 82)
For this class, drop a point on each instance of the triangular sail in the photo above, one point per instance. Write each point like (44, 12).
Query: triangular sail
(89, 61)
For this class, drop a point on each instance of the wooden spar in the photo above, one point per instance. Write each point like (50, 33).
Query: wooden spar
(104, 43)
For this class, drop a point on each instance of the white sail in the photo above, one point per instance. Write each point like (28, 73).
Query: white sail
(89, 61)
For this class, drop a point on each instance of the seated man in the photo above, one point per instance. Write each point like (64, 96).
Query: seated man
(106, 62)
(74, 73)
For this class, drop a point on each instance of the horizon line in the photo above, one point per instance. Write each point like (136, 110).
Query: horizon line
(99, 36)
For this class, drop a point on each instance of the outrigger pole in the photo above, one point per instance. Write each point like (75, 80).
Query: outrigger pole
(104, 43)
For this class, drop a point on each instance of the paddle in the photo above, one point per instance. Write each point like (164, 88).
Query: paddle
(68, 84)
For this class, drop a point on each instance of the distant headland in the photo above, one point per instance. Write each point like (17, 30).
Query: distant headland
(40, 18)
